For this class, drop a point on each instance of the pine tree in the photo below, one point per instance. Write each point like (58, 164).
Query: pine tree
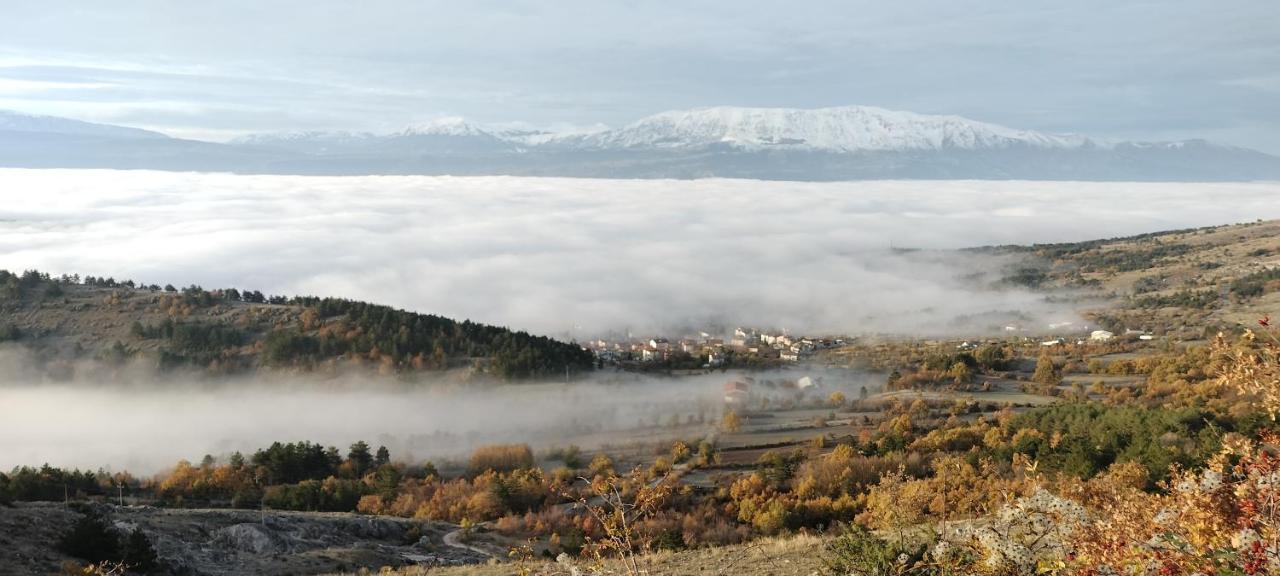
(138, 553)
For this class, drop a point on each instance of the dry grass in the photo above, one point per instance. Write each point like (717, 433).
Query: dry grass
(793, 556)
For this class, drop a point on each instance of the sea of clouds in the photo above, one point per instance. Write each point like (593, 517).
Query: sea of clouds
(583, 257)
(569, 257)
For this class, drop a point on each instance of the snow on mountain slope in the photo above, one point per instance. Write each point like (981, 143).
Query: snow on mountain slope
(449, 126)
(11, 121)
(313, 137)
(839, 129)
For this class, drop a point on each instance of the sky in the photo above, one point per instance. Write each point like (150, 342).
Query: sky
(1145, 70)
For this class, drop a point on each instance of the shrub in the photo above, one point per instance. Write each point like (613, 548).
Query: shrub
(90, 538)
(501, 458)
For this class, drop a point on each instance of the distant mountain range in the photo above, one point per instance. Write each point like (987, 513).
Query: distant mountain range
(841, 143)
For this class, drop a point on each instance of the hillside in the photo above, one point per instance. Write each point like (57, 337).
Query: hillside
(65, 320)
(1186, 283)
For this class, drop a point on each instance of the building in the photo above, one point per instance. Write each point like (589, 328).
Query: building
(736, 392)
(1101, 336)
(652, 355)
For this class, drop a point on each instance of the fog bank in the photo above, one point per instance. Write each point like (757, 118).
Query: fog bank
(579, 257)
(147, 427)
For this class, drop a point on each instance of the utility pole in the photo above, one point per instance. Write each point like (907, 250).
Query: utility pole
(120, 490)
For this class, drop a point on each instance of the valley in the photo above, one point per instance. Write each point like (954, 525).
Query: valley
(746, 460)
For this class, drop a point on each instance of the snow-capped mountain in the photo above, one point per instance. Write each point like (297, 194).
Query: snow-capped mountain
(450, 135)
(448, 126)
(311, 141)
(36, 124)
(842, 143)
(840, 129)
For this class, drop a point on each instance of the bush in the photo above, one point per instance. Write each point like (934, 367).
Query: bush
(138, 553)
(90, 538)
(501, 458)
(858, 552)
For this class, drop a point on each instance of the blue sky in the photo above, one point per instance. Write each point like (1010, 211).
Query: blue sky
(1158, 70)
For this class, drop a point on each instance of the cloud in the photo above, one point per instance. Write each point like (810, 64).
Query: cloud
(551, 255)
(148, 424)
(1167, 69)
(581, 257)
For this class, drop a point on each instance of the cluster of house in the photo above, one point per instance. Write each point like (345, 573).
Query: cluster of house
(1101, 336)
(778, 345)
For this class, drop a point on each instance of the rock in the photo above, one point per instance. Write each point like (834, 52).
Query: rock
(248, 537)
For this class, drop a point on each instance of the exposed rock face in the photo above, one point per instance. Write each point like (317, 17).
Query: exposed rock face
(217, 542)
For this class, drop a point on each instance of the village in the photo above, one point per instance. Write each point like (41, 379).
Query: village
(750, 347)
(746, 346)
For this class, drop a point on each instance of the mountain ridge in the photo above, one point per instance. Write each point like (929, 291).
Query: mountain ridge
(821, 144)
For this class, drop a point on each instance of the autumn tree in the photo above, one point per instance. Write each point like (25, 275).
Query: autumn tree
(731, 422)
(1046, 373)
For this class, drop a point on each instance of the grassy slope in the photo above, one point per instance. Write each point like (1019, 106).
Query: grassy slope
(1205, 259)
(792, 556)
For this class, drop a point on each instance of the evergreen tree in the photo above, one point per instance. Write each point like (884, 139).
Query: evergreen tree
(360, 457)
(138, 553)
(90, 539)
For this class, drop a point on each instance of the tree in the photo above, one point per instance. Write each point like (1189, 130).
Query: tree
(383, 457)
(680, 452)
(991, 357)
(90, 538)
(731, 422)
(360, 457)
(836, 399)
(961, 372)
(1045, 372)
(862, 393)
(139, 555)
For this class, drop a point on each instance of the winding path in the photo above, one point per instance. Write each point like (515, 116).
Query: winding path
(451, 539)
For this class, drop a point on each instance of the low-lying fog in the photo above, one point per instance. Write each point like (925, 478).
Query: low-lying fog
(578, 257)
(566, 257)
(146, 427)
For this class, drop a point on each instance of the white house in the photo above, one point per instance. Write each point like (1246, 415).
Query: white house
(652, 355)
(1101, 336)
